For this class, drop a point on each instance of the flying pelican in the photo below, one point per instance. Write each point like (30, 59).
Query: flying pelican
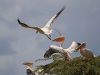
(29, 69)
(46, 29)
(84, 51)
(64, 52)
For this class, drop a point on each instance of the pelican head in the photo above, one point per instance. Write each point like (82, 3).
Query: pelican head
(60, 39)
(82, 46)
(29, 64)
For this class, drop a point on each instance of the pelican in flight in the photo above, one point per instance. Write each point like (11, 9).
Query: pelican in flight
(84, 51)
(64, 52)
(46, 29)
(29, 69)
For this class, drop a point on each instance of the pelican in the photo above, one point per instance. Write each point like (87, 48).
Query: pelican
(29, 69)
(84, 51)
(46, 29)
(60, 39)
(64, 52)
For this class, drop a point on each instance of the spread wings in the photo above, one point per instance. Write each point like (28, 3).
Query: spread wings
(23, 24)
(26, 26)
(54, 17)
(89, 52)
(73, 46)
(53, 49)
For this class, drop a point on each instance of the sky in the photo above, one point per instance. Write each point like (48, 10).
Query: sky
(80, 22)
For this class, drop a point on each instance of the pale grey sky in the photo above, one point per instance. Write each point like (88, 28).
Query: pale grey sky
(80, 22)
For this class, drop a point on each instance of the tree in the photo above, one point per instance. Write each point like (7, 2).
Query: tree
(77, 66)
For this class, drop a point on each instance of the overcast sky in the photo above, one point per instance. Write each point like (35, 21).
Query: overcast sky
(80, 22)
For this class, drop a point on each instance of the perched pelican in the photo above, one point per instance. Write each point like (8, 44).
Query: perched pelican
(46, 29)
(64, 52)
(29, 69)
(84, 51)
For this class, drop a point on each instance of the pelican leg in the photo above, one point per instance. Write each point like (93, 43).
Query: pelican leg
(48, 37)
(36, 31)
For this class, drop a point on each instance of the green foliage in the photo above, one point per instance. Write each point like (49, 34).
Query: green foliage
(77, 66)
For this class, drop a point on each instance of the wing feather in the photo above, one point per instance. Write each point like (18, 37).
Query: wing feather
(54, 17)
(53, 49)
(26, 26)
(90, 52)
(23, 24)
(73, 47)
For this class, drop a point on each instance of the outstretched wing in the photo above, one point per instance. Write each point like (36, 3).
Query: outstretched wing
(23, 24)
(73, 46)
(26, 26)
(54, 17)
(53, 49)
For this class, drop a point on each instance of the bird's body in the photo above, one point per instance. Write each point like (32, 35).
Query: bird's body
(56, 49)
(29, 70)
(64, 52)
(84, 51)
(46, 29)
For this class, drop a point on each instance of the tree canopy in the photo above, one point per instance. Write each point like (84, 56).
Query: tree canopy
(76, 66)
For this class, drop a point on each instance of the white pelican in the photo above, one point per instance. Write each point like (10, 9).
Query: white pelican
(29, 69)
(84, 51)
(46, 29)
(64, 52)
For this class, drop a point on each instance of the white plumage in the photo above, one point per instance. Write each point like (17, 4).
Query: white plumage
(64, 52)
(46, 29)
(73, 47)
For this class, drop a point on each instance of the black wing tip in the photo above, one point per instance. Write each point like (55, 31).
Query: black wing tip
(46, 56)
(47, 53)
(61, 10)
(64, 7)
(78, 43)
(18, 21)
